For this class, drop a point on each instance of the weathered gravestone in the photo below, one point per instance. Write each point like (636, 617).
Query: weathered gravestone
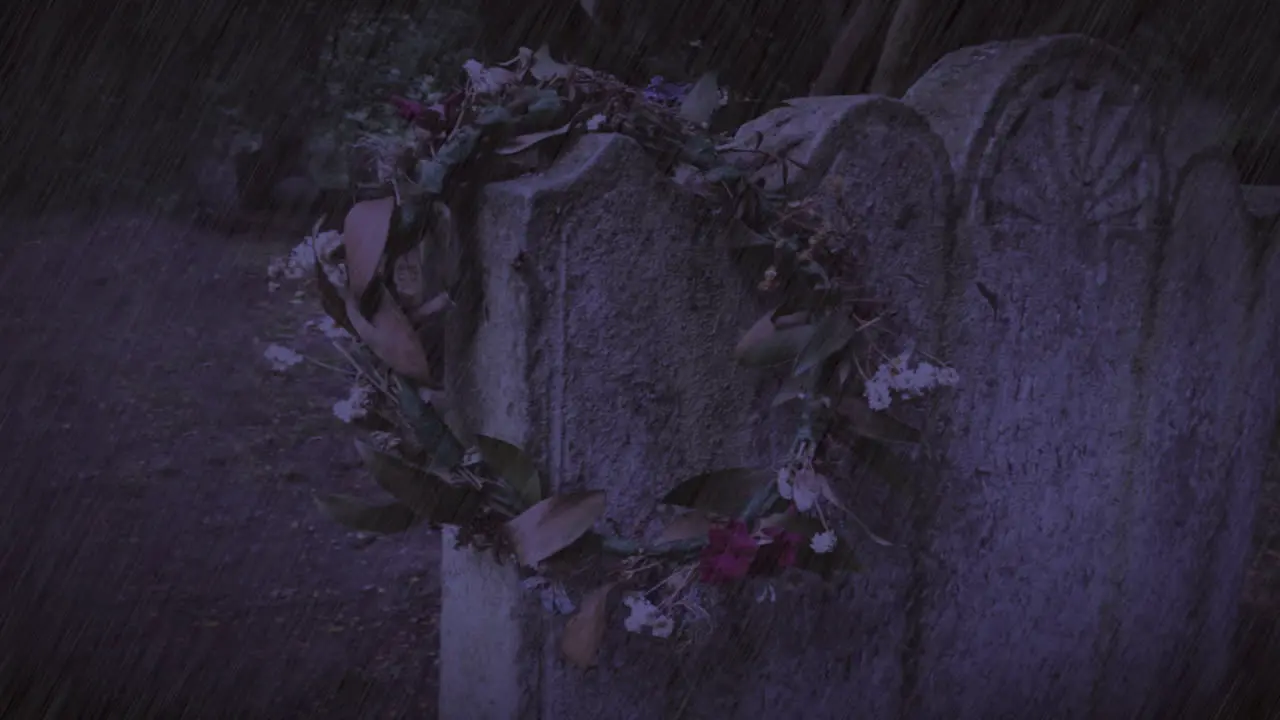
(1071, 539)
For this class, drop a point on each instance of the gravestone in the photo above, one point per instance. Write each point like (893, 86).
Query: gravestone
(1071, 536)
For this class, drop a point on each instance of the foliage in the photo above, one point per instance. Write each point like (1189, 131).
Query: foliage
(723, 526)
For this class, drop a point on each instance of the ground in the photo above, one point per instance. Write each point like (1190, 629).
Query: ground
(157, 529)
(160, 555)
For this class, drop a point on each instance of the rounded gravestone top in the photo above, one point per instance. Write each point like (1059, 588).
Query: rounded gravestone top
(1057, 130)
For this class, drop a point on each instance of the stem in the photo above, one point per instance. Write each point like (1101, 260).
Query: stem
(614, 545)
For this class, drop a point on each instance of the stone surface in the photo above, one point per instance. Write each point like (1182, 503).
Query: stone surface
(1073, 532)
(603, 347)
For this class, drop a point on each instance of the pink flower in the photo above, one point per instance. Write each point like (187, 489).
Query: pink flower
(407, 109)
(729, 553)
(778, 554)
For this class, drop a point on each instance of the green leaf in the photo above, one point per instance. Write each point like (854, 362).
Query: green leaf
(723, 492)
(365, 516)
(723, 173)
(772, 341)
(493, 115)
(686, 526)
(429, 429)
(546, 105)
(458, 147)
(430, 176)
(832, 334)
(428, 495)
(554, 524)
(796, 387)
(868, 423)
(513, 466)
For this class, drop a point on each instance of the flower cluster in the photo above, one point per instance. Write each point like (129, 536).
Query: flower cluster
(733, 552)
(896, 376)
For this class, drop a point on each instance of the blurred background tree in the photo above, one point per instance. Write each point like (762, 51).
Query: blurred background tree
(109, 100)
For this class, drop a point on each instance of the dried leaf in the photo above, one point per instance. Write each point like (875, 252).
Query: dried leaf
(771, 341)
(830, 336)
(702, 101)
(584, 632)
(545, 69)
(514, 467)
(722, 492)
(364, 516)
(868, 423)
(520, 143)
(553, 524)
(364, 235)
(434, 306)
(686, 526)
(391, 337)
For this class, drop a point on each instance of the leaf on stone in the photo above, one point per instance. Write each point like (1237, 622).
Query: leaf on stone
(364, 236)
(792, 521)
(686, 526)
(546, 105)
(796, 387)
(391, 337)
(722, 492)
(831, 335)
(741, 236)
(429, 428)
(772, 341)
(702, 100)
(365, 516)
(513, 466)
(521, 143)
(417, 489)
(553, 524)
(493, 115)
(430, 175)
(723, 173)
(458, 147)
(584, 632)
(868, 423)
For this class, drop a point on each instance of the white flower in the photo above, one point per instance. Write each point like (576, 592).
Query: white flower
(555, 599)
(640, 614)
(643, 615)
(354, 406)
(327, 327)
(805, 490)
(299, 262)
(896, 376)
(785, 488)
(281, 358)
(823, 543)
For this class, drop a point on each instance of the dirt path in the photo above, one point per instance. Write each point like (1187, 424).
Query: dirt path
(159, 552)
